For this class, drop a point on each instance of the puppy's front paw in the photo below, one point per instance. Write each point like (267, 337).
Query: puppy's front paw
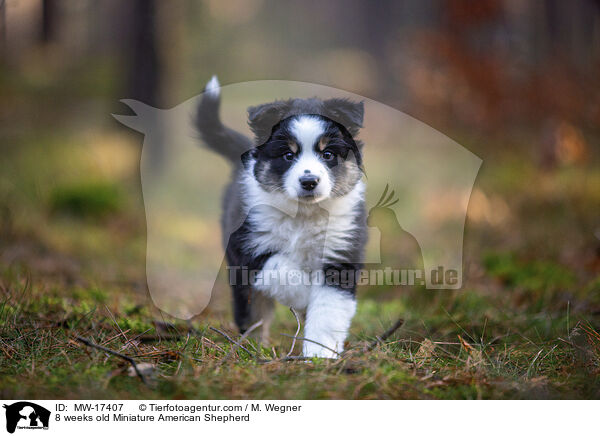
(313, 350)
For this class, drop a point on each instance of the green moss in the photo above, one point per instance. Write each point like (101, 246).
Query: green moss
(533, 275)
(136, 325)
(87, 200)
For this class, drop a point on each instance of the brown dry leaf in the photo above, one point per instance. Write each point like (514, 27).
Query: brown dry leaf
(475, 358)
(426, 349)
(465, 344)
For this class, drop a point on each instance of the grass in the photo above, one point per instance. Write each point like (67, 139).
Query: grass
(442, 351)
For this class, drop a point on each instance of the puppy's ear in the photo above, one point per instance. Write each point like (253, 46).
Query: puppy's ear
(264, 117)
(346, 112)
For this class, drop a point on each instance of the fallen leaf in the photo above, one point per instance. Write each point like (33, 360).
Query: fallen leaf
(426, 349)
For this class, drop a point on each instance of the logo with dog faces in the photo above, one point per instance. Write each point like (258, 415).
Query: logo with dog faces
(25, 415)
(417, 185)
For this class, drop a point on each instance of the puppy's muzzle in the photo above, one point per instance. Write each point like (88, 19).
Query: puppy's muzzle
(309, 182)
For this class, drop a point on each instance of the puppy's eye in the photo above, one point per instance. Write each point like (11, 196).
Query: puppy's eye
(288, 156)
(328, 155)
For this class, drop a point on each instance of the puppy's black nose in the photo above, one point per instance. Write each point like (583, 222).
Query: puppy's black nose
(309, 182)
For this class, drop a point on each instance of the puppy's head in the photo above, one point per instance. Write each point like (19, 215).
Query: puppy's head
(306, 147)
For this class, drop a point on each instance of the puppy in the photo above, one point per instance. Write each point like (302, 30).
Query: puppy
(294, 219)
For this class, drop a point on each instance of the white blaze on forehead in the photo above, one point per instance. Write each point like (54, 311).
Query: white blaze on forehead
(307, 130)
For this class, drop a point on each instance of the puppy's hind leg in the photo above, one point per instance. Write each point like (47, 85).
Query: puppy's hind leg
(241, 306)
(262, 307)
(251, 306)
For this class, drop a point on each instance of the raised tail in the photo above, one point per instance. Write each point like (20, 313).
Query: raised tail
(219, 138)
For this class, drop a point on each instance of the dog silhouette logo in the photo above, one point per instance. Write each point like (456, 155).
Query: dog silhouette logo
(418, 223)
(26, 415)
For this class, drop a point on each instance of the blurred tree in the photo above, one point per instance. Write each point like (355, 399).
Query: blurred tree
(49, 21)
(2, 30)
(144, 72)
(144, 69)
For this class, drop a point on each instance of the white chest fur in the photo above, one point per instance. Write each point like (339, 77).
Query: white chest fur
(301, 242)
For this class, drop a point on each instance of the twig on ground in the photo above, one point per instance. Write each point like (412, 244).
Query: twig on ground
(114, 353)
(139, 336)
(285, 359)
(310, 340)
(186, 341)
(292, 358)
(226, 336)
(119, 327)
(112, 338)
(211, 344)
(580, 348)
(533, 363)
(158, 338)
(297, 332)
(242, 338)
(389, 332)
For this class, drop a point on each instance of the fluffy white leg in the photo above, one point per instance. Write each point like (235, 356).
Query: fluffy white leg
(328, 318)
